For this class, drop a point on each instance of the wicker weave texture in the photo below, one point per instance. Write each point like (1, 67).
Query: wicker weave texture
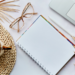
(8, 59)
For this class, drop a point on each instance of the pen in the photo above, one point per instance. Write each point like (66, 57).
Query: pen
(62, 28)
(5, 47)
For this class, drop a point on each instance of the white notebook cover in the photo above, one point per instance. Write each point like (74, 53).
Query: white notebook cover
(46, 46)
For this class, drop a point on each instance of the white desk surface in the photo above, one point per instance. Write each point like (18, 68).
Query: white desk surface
(24, 65)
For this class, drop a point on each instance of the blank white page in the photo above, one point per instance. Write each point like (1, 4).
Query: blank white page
(46, 46)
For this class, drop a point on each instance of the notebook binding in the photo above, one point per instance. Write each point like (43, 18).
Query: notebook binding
(35, 60)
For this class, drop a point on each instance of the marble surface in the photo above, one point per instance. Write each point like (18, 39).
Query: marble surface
(24, 65)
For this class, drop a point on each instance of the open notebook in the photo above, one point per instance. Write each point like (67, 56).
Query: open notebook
(48, 47)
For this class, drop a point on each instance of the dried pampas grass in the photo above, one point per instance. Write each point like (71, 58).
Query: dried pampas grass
(5, 6)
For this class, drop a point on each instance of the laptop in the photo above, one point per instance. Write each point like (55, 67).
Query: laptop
(65, 8)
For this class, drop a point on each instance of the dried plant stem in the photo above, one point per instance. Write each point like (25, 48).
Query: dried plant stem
(6, 14)
(8, 9)
(10, 5)
(2, 0)
(5, 6)
(1, 19)
(4, 17)
(8, 2)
